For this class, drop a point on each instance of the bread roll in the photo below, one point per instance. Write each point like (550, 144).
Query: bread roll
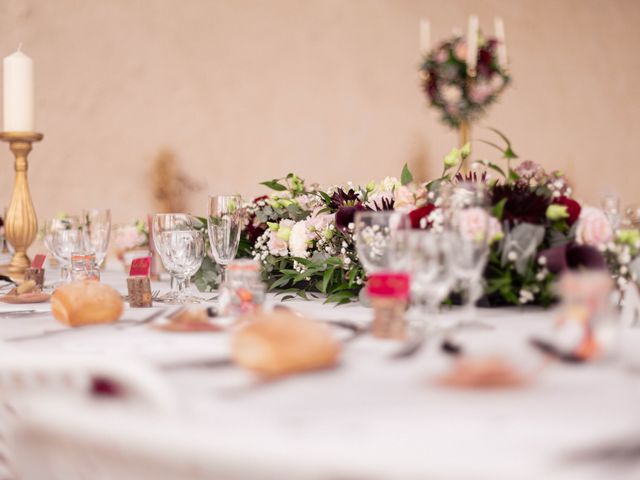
(86, 302)
(281, 342)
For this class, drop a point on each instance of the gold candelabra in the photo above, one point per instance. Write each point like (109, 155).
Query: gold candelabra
(21, 223)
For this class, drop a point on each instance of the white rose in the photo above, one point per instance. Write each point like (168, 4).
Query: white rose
(593, 227)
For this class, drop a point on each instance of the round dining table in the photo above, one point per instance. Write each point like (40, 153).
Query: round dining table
(379, 416)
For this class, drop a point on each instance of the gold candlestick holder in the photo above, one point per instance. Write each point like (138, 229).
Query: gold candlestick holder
(21, 223)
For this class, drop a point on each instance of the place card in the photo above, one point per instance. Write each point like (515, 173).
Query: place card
(140, 267)
(38, 261)
(389, 293)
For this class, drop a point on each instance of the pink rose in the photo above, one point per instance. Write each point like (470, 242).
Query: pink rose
(480, 92)
(593, 227)
(475, 224)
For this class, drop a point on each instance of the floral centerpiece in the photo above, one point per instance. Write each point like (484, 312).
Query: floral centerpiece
(303, 234)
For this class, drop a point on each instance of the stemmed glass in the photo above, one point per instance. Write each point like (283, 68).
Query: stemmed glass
(467, 218)
(430, 264)
(181, 249)
(224, 222)
(62, 238)
(377, 241)
(97, 224)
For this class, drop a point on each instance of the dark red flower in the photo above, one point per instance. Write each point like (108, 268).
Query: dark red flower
(573, 257)
(419, 213)
(345, 215)
(523, 204)
(573, 208)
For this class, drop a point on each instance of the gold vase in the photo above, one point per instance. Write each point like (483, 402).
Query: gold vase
(20, 224)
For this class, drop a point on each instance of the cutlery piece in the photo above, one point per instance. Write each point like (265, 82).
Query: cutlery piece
(19, 312)
(119, 326)
(205, 363)
(150, 318)
(4, 278)
(551, 350)
(451, 347)
(410, 347)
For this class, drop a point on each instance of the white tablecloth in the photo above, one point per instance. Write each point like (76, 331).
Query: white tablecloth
(383, 416)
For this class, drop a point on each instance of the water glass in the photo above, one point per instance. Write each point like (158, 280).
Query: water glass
(97, 224)
(224, 224)
(378, 242)
(181, 249)
(62, 245)
(468, 221)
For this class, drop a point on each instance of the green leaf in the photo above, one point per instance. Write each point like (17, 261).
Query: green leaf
(498, 209)
(513, 176)
(501, 135)
(406, 177)
(280, 282)
(326, 278)
(495, 167)
(274, 185)
(509, 153)
(494, 145)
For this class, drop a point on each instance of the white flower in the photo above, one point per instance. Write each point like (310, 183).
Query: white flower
(276, 245)
(593, 228)
(300, 238)
(388, 184)
(404, 197)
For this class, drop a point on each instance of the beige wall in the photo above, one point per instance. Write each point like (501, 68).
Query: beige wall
(246, 90)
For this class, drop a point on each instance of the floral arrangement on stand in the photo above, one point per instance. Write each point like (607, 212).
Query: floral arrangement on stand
(303, 234)
(458, 96)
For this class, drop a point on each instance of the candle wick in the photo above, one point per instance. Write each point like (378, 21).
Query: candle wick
(20, 47)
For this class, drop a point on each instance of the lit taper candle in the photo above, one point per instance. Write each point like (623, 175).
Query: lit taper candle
(18, 93)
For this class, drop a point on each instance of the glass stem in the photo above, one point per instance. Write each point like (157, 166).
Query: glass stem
(181, 284)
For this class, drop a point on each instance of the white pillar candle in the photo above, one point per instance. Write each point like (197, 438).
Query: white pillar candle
(18, 93)
(498, 25)
(425, 36)
(472, 43)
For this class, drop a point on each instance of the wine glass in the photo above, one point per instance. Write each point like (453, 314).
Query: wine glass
(224, 222)
(430, 256)
(62, 245)
(181, 249)
(377, 241)
(98, 228)
(467, 218)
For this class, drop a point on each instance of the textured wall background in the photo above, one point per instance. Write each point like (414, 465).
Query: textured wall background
(245, 90)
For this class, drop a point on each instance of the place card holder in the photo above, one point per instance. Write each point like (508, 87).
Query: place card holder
(139, 284)
(36, 271)
(389, 293)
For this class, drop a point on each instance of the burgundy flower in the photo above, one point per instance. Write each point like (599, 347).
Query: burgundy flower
(573, 208)
(573, 257)
(345, 215)
(341, 198)
(419, 213)
(523, 204)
